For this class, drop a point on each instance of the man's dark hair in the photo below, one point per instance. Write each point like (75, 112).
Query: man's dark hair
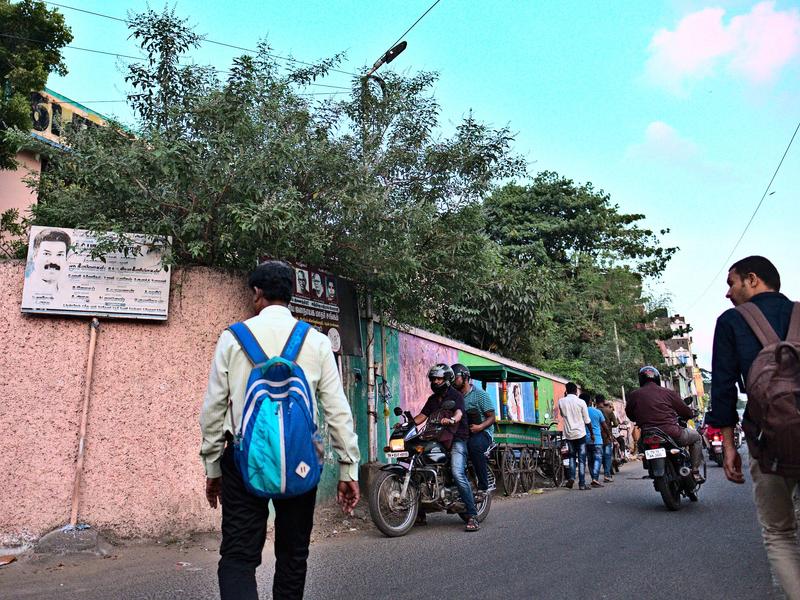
(586, 397)
(572, 388)
(600, 398)
(51, 235)
(762, 267)
(275, 279)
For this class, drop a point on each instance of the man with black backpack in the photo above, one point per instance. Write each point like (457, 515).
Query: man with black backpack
(260, 438)
(757, 346)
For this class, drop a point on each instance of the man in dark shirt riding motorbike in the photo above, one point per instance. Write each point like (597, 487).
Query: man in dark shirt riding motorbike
(655, 406)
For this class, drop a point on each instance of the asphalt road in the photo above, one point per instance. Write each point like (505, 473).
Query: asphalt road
(617, 542)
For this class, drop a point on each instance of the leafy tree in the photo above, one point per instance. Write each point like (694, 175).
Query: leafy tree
(236, 169)
(554, 220)
(30, 49)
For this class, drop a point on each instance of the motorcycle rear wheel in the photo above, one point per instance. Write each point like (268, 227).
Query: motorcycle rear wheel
(392, 516)
(669, 488)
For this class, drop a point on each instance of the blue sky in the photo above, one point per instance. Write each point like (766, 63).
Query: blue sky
(679, 109)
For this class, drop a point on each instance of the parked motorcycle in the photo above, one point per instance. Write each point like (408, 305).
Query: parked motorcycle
(669, 466)
(421, 478)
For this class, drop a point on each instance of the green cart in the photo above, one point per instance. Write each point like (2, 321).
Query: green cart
(524, 452)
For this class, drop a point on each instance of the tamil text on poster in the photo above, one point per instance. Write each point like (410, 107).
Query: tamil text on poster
(61, 277)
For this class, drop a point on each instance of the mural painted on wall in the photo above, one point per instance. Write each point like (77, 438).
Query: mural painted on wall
(416, 357)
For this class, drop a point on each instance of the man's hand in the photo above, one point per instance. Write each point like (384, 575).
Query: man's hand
(447, 421)
(348, 495)
(475, 428)
(214, 491)
(732, 460)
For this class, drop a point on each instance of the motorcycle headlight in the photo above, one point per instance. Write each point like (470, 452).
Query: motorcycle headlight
(397, 445)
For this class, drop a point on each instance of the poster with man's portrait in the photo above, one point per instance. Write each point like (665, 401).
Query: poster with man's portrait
(301, 282)
(61, 277)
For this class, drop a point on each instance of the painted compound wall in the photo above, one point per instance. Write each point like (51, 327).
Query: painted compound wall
(143, 476)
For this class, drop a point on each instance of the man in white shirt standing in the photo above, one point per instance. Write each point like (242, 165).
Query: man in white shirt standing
(244, 515)
(575, 416)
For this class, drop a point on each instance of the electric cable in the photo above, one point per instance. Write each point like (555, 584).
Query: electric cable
(749, 222)
(217, 43)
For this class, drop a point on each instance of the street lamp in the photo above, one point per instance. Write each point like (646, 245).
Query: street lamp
(387, 58)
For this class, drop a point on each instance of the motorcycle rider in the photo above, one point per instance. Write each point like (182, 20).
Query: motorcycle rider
(441, 377)
(481, 427)
(655, 406)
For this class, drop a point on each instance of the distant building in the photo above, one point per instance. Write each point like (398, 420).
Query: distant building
(684, 375)
(50, 114)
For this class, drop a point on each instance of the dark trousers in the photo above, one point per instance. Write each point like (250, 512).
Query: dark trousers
(477, 444)
(244, 531)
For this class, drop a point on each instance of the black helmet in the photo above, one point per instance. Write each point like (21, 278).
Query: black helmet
(441, 370)
(648, 374)
(459, 369)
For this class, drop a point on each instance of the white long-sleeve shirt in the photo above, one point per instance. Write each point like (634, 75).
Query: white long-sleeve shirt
(575, 415)
(230, 370)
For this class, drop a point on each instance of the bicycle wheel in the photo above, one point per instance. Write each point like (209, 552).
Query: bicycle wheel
(557, 466)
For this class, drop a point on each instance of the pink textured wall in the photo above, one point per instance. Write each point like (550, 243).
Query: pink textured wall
(417, 356)
(142, 473)
(14, 193)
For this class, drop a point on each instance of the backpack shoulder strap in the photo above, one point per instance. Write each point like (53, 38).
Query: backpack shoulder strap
(248, 343)
(295, 341)
(758, 323)
(794, 325)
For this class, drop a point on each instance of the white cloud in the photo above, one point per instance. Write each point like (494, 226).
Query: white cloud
(755, 46)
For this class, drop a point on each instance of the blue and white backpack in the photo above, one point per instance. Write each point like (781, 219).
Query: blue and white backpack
(276, 446)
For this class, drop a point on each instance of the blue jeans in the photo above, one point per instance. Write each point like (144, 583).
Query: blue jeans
(477, 445)
(458, 464)
(608, 454)
(594, 456)
(577, 450)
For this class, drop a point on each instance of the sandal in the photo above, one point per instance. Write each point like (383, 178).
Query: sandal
(472, 525)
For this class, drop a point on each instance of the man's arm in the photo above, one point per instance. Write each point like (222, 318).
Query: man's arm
(212, 418)
(486, 423)
(680, 407)
(724, 377)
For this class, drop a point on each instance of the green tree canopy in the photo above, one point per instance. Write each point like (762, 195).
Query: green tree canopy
(31, 39)
(237, 169)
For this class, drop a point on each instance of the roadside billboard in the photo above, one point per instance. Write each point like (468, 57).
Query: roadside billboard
(62, 278)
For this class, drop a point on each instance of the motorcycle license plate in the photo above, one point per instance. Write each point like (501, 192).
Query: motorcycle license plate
(716, 443)
(403, 454)
(655, 453)
(565, 462)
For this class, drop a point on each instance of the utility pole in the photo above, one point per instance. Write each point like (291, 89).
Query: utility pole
(619, 358)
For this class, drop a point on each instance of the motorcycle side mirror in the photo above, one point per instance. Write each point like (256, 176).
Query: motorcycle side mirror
(398, 411)
(448, 405)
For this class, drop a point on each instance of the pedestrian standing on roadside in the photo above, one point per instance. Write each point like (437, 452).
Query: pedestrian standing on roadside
(773, 436)
(575, 417)
(608, 436)
(244, 514)
(594, 439)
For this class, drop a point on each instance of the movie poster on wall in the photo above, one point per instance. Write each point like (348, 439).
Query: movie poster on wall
(62, 278)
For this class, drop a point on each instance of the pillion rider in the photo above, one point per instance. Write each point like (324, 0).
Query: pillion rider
(441, 377)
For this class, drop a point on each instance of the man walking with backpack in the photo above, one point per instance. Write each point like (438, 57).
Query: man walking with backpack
(757, 344)
(259, 436)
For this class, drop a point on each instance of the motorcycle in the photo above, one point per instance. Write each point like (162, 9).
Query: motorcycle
(713, 443)
(421, 478)
(669, 466)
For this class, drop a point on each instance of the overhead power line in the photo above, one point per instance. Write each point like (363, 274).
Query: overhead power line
(143, 59)
(750, 221)
(430, 8)
(217, 43)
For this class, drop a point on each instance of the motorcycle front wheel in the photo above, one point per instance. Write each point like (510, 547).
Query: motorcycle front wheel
(393, 515)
